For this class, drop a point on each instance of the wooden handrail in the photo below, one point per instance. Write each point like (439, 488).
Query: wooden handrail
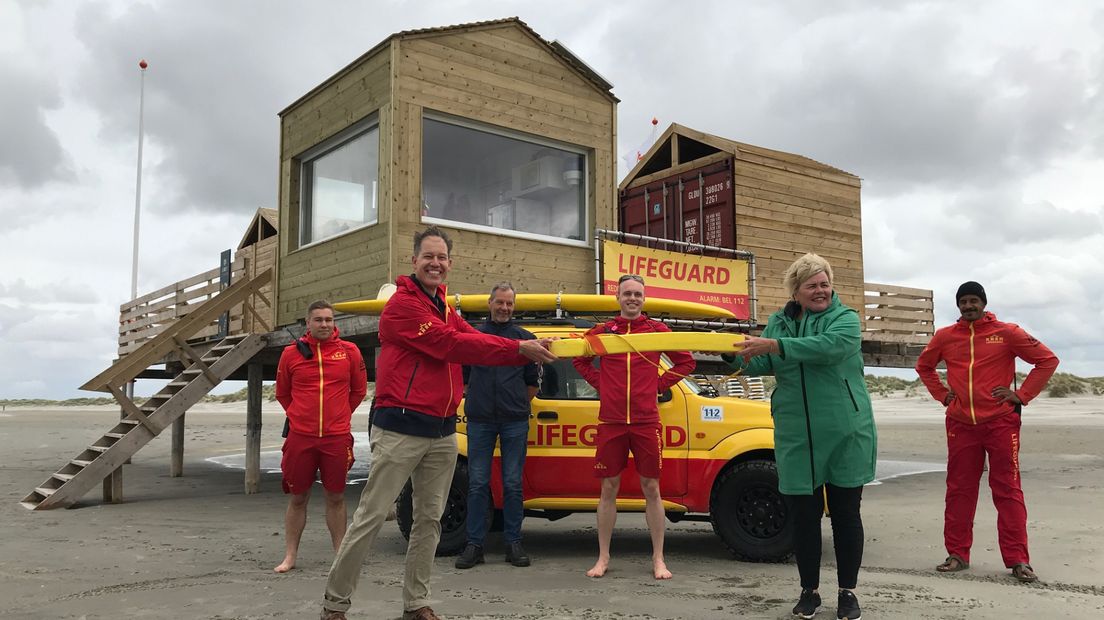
(157, 347)
(184, 284)
(898, 314)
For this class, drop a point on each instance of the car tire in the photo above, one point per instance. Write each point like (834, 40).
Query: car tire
(750, 515)
(454, 530)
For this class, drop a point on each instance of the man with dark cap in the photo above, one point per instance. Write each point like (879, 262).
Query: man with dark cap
(983, 419)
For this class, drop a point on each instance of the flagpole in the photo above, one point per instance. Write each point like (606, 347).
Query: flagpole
(116, 476)
(138, 182)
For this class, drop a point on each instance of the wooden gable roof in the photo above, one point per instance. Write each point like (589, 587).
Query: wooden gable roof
(691, 144)
(555, 48)
(265, 224)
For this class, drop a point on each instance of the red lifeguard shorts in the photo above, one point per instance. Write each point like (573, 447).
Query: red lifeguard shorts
(615, 441)
(305, 456)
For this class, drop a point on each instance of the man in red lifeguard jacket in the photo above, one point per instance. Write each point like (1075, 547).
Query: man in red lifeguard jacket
(320, 381)
(628, 419)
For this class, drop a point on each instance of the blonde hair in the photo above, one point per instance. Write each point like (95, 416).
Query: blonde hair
(804, 268)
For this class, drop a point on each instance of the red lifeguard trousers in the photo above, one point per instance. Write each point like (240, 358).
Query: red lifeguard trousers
(967, 446)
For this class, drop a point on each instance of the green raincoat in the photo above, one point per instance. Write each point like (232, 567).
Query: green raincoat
(823, 422)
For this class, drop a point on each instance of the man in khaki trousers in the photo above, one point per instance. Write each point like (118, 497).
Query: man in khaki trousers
(419, 384)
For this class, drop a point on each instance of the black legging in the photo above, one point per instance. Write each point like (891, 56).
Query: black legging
(847, 534)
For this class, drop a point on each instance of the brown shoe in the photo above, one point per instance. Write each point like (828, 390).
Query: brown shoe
(329, 614)
(422, 613)
(1024, 573)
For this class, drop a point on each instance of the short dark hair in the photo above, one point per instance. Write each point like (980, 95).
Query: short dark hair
(319, 304)
(431, 231)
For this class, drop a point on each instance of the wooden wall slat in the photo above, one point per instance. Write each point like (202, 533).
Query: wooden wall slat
(506, 92)
(458, 49)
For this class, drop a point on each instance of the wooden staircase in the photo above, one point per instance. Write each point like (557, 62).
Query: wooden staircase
(141, 424)
(106, 454)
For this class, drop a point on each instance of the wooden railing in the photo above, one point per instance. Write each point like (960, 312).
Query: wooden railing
(147, 316)
(898, 314)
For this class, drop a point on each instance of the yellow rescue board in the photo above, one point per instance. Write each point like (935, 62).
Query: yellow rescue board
(664, 341)
(547, 302)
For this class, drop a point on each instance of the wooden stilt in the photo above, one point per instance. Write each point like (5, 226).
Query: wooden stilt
(113, 487)
(254, 377)
(176, 462)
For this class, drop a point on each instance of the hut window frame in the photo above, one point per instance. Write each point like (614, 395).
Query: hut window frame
(526, 183)
(340, 190)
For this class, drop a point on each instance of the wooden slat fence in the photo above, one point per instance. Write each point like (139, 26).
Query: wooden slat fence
(148, 315)
(898, 314)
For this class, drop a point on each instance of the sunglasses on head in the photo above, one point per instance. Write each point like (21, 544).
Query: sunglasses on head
(630, 276)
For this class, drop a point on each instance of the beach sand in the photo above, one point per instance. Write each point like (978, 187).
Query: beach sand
(198, 547)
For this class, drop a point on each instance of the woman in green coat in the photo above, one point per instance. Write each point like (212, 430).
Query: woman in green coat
(825, 442)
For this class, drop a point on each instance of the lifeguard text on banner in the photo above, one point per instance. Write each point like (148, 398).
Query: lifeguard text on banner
(721, 282)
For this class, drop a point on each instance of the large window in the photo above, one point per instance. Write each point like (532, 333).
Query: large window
(502, 182)
(340, 181)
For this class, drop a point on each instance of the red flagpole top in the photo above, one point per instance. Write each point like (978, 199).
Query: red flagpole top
(143, 64)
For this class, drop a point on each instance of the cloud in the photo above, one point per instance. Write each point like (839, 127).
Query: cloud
(30, 153)
(50, 292)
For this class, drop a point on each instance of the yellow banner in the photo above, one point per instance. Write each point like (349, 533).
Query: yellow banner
(721, 282)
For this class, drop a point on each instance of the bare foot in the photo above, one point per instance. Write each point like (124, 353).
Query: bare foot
(599, 568)
(285, 566)
(659, 568)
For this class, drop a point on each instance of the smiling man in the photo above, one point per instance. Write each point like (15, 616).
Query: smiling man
(628, 420)
(419, 384)
(497, 411)
(983, 420)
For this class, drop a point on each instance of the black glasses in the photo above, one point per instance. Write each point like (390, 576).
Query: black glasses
(630, 276)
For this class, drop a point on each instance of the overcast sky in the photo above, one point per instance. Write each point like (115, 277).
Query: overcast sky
(977, 128)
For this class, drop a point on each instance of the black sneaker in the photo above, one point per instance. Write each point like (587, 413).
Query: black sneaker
(472, 555)
(848, 606)
(516, 555)
(807, 605)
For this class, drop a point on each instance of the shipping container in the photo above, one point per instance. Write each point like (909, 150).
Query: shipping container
(675, 207)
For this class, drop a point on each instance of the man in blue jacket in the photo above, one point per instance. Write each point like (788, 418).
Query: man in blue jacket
(497, 408)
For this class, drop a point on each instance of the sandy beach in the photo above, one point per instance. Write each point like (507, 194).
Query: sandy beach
(198, 547)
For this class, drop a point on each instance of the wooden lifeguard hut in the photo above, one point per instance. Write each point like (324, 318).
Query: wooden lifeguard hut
(486, 129)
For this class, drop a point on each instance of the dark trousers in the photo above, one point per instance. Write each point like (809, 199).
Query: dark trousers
(513, 443)
(847, 534)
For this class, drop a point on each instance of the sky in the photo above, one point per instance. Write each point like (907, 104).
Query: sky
(977, 129)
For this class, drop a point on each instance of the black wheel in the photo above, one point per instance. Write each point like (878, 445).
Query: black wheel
(750, 515)
(454, 531)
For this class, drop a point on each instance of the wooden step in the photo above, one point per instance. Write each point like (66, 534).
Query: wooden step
(115, 435)
(63, 477)
(99, 448)
(44, 492)
(80, 463)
